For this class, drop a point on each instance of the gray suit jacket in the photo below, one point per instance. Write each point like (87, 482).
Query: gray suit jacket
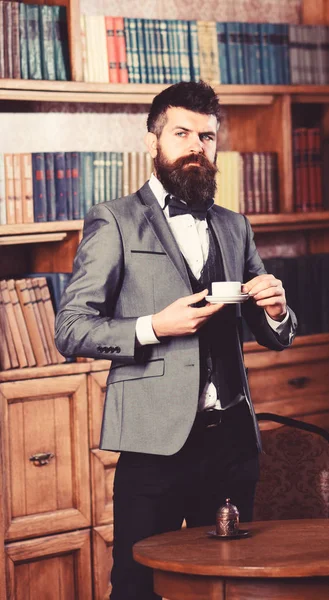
(129, 265)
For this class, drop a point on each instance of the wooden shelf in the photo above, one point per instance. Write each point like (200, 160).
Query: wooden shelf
(289, 221)
(135, 93)
(40, 228)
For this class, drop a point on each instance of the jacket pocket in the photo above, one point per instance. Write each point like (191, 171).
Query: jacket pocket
(154, 368)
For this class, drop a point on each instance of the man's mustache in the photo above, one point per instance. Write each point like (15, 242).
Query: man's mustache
(199, 159)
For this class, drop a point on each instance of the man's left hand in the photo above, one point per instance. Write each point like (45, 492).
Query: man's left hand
(267, 292)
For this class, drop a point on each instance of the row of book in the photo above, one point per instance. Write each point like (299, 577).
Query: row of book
(306, 282)
(27, 322)
(60, 186)
(307, 164)
(161, 51)
(33, 41)
(248, 182)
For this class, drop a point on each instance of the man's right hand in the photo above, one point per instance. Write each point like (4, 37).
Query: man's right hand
(180, 318)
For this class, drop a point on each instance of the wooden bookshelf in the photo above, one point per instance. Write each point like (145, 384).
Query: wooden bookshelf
(63, 403)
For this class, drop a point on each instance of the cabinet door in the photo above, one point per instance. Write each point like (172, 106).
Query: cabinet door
(52, 568)
(102, 561)
(46, 456)
(96, 395)
(103, 465)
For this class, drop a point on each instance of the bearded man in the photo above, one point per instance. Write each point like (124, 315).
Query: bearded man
(177, 405)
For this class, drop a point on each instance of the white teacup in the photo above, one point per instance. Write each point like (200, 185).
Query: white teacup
(223, 289)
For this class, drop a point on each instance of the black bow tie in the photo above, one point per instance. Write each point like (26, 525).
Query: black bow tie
(176, 207)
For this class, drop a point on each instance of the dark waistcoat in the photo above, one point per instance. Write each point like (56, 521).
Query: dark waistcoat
(218, 338)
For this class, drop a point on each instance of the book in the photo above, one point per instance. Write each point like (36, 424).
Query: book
(48, 327)
(10, 316)
(3, 209)
(24, 59)
(9, 189)
(35, 305)
(33, 41)
(60, 186)
(120, 45)
(39, 187)
(2, 42)
(9, 356)
(50, 186)
(26, 342)
(8, 35)
(112, 58)
(47, 42)
(62, 63)
(75, 176)
(15, 43)
(42, 287)
(27, 187)
(18, 189)
(83, 39)
(68, 184)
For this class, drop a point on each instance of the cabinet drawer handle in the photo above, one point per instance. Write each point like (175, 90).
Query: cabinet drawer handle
(299, 382)
(41, 459)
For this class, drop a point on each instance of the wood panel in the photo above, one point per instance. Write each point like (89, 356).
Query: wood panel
(96, 394)
(315, 13)
(102, 561)
(103, 464)
(54, 568)
(46, 416)
(55, 256)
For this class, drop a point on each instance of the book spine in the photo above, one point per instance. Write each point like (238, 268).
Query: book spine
(8, 34)
(60, 186)
(247, 52)
(50, 318)
(264, 53)
(48, 332)
(102, 58)
(232, 53)
(193, 51)
(30, 358)
(222, 52)
(262, 183)
(33, 42)
(158, 50)
(256, 181)
(38, 318)
(83, 38)
(18, 189)
(9, 187)
(293, 54)
(88, 178)
(61, 43)
(130, 65)
(136, 72)
(47, 42)
(50, 186)
(15, 40)
(13, 326)
(24, 59)
(120, 43)
(68, 184)
(141, 51)
(76, 173)
(184, 50)
(39, 187)
(119, 192)
(285, 55)
(31, 322)
(125, 178)
(164, 44)
(2, 41)
(114, 175)
(7, 334)
(174, 51)
(3, 209)
(112, 59)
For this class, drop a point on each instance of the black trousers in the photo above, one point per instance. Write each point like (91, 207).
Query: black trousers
(154, 494)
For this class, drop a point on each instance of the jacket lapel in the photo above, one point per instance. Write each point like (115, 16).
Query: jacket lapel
(157, 221)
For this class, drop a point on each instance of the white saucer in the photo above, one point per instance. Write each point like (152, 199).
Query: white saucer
(236, 299)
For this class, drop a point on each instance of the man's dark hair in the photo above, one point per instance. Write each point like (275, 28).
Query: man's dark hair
(197, 96)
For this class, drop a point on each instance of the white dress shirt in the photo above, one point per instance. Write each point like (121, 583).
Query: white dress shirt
(192, 238)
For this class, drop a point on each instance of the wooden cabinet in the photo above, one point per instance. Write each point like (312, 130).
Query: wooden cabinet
(56, 486)
(292, 383)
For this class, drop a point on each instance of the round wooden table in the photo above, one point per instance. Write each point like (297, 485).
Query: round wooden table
(281, 560)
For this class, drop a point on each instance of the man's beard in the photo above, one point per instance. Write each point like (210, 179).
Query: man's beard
(194, 184)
